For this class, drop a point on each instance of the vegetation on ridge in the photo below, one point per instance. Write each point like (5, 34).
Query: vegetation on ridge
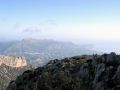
(87, 72)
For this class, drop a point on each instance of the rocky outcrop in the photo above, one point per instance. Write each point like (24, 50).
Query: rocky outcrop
(13, 61)
(94, 72)
(10, 68)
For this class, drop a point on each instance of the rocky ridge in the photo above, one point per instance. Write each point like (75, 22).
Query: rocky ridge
(87, 72)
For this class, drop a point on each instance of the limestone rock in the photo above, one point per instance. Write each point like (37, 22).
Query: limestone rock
(13, 61)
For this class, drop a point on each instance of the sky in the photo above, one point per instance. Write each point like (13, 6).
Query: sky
(95, 22)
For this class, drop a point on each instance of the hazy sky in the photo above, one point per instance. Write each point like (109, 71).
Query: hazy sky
(89, 21)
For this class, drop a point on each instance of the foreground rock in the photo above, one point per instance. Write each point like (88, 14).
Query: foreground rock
(94, 72)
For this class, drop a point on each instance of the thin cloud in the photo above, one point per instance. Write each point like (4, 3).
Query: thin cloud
(52, 22)
(16, 26)
(3, 19)
(32, 30)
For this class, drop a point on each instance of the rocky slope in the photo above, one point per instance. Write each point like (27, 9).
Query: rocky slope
(10, 68)
(87, 72)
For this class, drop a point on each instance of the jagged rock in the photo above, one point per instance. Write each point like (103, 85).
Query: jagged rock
(84, 72)
(98, 71)
(92, 72)
(117, 75)
(109, 58)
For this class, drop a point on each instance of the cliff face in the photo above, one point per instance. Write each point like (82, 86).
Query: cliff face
(13, 61)
(94, 72)
(10, 68)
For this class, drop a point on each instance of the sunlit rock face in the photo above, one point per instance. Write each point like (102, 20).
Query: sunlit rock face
(13, 61)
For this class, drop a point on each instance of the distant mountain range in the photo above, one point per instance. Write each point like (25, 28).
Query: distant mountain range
(38, 52)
